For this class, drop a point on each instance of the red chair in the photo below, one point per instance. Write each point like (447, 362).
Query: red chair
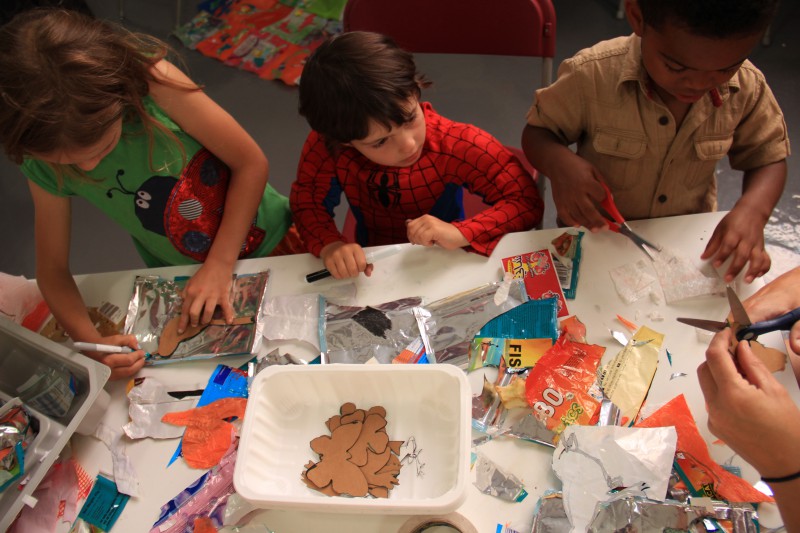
(492, 27)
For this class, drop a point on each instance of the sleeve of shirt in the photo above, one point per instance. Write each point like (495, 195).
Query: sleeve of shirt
(761, 136)
(314, 194)
(44, 176)
(560, 107)
(491, 171)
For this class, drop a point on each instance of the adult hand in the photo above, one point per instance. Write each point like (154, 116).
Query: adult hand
(775, 299)
(208, 288)
(748, 408)
(428, 230)
(739, 235)
(345, 260)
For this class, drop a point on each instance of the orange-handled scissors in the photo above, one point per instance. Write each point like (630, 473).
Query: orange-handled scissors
(617, 223)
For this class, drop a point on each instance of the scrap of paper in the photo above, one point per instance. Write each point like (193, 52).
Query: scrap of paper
(592, 461)
(124, 473)
(627, 378)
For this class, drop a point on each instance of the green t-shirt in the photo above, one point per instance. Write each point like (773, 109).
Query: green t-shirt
(171, 210)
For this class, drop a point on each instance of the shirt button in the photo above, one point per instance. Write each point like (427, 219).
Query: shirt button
(662, 198)
(663, 120)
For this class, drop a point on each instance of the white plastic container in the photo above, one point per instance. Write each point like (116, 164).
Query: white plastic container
(22, 354)
(289, 406)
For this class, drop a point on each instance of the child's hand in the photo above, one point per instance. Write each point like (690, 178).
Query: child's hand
(576, 193)
(122, 365)
(208, 288)
(738, 235)
(345, 260)
(428, 230)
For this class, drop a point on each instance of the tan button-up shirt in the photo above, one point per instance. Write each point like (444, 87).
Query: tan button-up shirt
(601, 102)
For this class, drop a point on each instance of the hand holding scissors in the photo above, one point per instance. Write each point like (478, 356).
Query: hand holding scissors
(617, 224)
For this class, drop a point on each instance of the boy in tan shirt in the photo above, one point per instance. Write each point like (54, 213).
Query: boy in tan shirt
(654, 112)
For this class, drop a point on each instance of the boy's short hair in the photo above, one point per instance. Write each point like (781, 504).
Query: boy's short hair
(354, 77)
(716, 19)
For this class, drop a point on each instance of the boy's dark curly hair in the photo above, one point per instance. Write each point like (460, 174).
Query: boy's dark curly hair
(717, 19)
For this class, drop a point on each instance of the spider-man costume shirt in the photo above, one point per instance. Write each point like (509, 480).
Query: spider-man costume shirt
(382, 198)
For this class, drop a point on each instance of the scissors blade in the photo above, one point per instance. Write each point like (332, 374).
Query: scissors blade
(737, 309)
(708, 325)
(638, 240)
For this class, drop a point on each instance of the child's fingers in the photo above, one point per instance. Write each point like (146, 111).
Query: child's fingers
(760, 264)
(124, 365)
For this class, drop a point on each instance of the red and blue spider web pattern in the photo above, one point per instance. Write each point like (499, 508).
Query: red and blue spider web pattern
(383, 198)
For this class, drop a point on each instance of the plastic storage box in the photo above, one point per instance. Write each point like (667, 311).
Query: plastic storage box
(24, 356)
(289, 405)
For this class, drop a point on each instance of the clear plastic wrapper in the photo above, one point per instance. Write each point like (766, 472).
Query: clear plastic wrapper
(157, 301)
(292, 316)
(681, 279)
(448, 325)
(356, 334)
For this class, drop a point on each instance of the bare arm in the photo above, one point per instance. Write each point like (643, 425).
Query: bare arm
(52, 232)
(574, 181)
(740, 235)
(199, 116)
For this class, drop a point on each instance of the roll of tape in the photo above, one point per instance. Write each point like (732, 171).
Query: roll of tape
(418, 524)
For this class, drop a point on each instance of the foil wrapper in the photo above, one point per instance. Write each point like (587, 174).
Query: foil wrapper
(17, 432)
(491, 480)
(356, 334)
(639, 514)
(448, 325)
(157, 300)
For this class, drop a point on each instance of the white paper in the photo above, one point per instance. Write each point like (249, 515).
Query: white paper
(593, 460)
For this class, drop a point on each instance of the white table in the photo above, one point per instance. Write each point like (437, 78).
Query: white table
(435, 273)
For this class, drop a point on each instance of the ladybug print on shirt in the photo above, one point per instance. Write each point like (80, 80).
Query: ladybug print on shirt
(188, 210)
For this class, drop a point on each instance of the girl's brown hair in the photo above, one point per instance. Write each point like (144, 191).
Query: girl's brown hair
(66, 78)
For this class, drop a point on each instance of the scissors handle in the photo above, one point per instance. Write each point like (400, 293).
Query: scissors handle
(781, 323)
(611, 208)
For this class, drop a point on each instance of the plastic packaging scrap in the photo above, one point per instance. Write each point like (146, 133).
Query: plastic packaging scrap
(593, 462)
(56, 498)
(492, 480)
(356, 334)
(208, 436)
(520, 336)
(681, 279)
(149, 402)
(17, 432)
(627, 378)
(104, 504)
(637, 514)
(447, 326)
(211, 496)
(156, 302)
(294, 316)
(701, 474)
(18, 297)
(538, 272)
(558, 387)
(634, 281)
(567, 259)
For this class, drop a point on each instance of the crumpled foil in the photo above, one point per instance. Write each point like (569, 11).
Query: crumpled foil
(157, 300)
(491, 480)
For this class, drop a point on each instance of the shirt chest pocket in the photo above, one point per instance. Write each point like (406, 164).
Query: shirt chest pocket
(712, 148)
(619, 156)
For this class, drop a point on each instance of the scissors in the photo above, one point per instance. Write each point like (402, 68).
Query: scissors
(619, 225)
(745, 330)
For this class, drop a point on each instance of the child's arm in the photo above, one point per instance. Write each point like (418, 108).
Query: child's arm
(216, 130)
(52, 233)
(740, 234)
(576, 191)
(428, 230)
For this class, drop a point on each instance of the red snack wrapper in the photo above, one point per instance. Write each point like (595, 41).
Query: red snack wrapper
(558, 386)
(691, 454)
(540, 277)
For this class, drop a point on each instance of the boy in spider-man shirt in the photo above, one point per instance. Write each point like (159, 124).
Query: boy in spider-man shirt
(399, 163)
